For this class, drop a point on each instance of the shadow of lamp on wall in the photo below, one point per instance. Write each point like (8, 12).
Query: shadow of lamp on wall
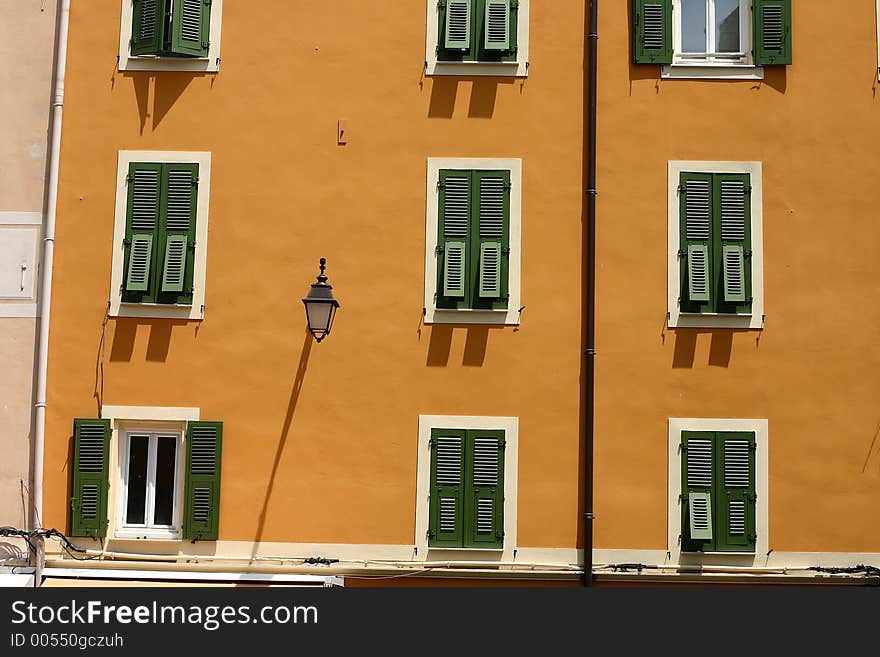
(320, 306)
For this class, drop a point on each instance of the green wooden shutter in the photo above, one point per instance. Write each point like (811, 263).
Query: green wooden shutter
(453, 235)
(732, 251)
(201, 513)
(652, 31)
(497, 25)
(484, 494)
(697, 478)
(147, 27)
(458, 25)
(772, 32)
(180, 182)
(735, 492)
(189, 27)
(494, 231)
(141, 231)
(90, 483)
(695, 192)
(446, 523)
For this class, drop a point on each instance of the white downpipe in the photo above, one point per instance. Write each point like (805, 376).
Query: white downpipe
(46, 277)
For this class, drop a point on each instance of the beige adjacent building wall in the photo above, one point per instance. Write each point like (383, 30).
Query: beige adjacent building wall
(27, 38)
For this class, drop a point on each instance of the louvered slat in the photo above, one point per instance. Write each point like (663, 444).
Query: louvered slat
(497, 25)
(148, 19)
(772, 23)
(736, 518)
(448, 461)
(734, 274)
(91, 448)
(492, 207)
(490, 270)
(447, 514)
(89, 503)
(458, 24)
(456, 203)
(733, 212)
(145, 199)
(486, 461)
(201, 504)
(180, 199)
(191, 20)
(175, 263)
(485, 515)
(453, 269)
(700, 513)
(697, 209)
(139, 260)
(699, 463)
(204, 451)
(653, 30)
(736, 463)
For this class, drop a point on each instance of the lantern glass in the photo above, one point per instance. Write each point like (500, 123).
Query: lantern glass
(320, 316)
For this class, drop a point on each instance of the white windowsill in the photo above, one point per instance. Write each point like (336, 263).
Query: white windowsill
(505, 317)
(506, 69)
(159, 311)
(697, 71)
(146, 535)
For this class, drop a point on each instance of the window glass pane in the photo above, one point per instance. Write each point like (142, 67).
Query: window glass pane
(693, 25)
(137, 479)
(165, 457)
(727, 25)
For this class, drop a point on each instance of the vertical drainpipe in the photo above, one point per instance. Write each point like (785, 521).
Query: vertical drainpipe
(590, 301)
(46, 276)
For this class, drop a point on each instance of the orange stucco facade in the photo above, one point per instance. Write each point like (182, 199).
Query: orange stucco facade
(320, 439)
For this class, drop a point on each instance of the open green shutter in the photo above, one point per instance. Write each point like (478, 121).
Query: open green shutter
(494, 229)
(772, 32)
(147, 27)
(457, 30)
(736, 492)
(698, 465)
(455, 204)
(734, 200)
(201, 513)
(484, 496)
(446, 508)
(90, 483)
(181, 196)
(497, 25)
(189, 27)
(695, 192)
(141, 229)
(652, 31)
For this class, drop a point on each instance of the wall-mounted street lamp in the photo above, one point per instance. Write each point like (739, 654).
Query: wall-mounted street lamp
(320, 306)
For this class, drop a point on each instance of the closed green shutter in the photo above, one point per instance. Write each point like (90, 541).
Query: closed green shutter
(201, 513)
(453, 238)
(189, 27)
(772, 32)
(496, 22)
(180, 182)
(491, 270)
(697, 483)
(695, 253)
(447, 501)
(90, 482)
(457, 25)
(147, 27)
(733, 247)
(484, 501)
(141, 231)
(735, 492)
(652, 31)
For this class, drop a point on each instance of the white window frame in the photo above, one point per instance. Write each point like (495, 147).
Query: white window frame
(148, 530)
(195, 310)
(161, 419)
(510, 315)
(510, 426)
(689, 67)
(762, 520)
(519, 68)
(878, 39)
(129, 62)
(678, 319)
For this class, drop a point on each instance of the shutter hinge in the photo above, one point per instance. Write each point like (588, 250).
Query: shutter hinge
(129, 178)
(747, 254)
(430, 443)
(682, 189)
(681, 253)
(502, 443)
(440, 185)
(441, 4)
(505, 297)
(126, 242)
(195, 180)
(439, 249)
(206, 44)
(747, 189)
(683, 497)
(508, 185)
(505, 250)
(431, 533)
(514, 5)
